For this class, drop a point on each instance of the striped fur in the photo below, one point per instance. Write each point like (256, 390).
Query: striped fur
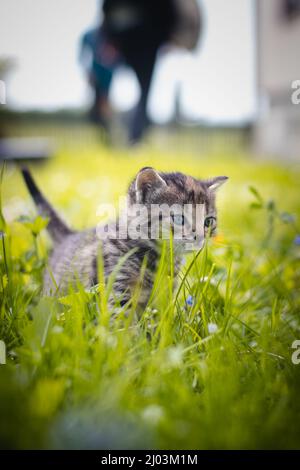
(74, 256)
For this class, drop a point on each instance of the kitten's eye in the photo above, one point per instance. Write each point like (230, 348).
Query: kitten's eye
(178, 219)
(210, 222)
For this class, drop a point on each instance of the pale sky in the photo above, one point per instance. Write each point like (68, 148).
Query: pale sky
(217, 81)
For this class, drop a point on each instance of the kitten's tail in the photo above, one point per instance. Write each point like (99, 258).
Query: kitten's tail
(56, 227)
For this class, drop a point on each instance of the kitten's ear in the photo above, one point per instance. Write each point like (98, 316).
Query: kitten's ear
(214, 183)
(147, 179)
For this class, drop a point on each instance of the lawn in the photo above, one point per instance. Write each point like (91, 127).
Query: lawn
(208, 366)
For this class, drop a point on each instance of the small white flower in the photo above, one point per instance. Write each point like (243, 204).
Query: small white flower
(212, 328)
(175, 356)
(57, 330)
(153, 414)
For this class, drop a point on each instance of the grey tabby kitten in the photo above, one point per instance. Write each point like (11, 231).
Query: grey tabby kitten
(74, 256)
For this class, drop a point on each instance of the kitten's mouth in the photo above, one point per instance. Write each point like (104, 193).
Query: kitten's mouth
(188, 245)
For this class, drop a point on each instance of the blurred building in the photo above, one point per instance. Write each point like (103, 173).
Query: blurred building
(277, 131)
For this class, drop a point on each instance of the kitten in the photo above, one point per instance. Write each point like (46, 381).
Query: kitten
(75, 254)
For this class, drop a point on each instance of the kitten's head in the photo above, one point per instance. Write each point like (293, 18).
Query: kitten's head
(191, 202)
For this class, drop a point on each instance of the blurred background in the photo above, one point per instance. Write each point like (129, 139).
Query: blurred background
(217, 84)
(234, 73)
(100, 88)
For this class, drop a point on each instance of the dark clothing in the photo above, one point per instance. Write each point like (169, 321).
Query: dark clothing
(136, 24)
(138, 28)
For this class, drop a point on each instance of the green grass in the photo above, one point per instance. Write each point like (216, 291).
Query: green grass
(215, 374)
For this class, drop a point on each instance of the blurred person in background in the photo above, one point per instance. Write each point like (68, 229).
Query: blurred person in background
(99, 58)
(138, 28)
(134, 30)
